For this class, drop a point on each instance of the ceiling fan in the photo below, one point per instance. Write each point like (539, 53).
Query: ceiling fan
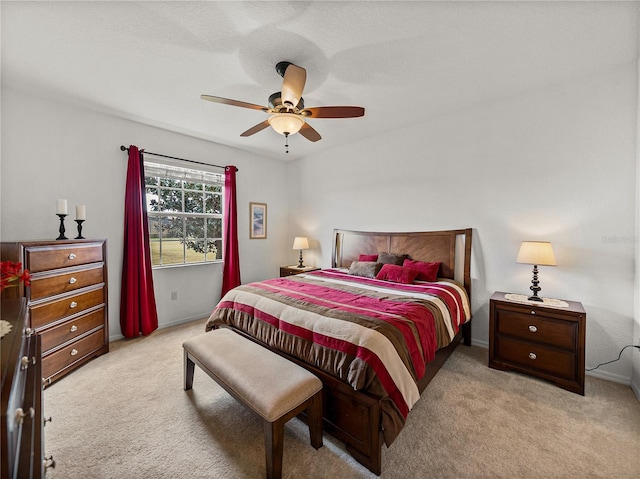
(286, 107)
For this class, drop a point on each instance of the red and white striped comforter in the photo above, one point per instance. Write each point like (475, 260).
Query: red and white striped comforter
(375, 335)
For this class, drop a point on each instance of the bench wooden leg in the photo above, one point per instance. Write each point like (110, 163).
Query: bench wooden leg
(189, 368)
(273, 444)
(314, 417)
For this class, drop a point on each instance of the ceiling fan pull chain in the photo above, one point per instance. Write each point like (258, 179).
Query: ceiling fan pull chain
(286, 142)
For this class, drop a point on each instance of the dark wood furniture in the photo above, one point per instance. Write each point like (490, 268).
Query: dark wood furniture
(539, 340)
(291, 270)
(67, 300)
(22, 436)
(354, 416)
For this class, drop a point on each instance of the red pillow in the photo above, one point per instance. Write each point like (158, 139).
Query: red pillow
(368, 257)
(397, 274)
(426, 271)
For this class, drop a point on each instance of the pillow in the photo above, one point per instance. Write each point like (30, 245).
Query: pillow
(397, 274)
(427, 271)
(368, 269)
(390, 258)
(368, 257)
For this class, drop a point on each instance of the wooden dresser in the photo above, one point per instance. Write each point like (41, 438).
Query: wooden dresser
(539, 340)
(22, 433)
(67, 300)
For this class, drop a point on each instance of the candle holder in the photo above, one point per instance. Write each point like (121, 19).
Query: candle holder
(79, 229)
(61, 229)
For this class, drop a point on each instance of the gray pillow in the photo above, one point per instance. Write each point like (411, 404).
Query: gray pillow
(368, 269)
(390, 258)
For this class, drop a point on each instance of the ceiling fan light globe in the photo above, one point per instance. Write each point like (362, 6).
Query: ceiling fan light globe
(286, 123)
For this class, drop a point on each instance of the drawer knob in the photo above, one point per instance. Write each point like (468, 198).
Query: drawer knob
(533, 329)
(20, 414)
(72, 280)
(24, 362)
(49, 462)
(75, 351)
(533, 356)
(28, 332)
(46, 420)
(74, 328)
(73, 304)
(533, 312)
(46, 381)
(72, 256)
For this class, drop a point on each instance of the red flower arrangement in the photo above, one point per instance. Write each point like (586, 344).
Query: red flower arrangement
(11, 275)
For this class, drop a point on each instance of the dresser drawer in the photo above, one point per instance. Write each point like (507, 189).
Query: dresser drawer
(44, 258)
(71, 329)
(537, 357)
(42, 287)
(46, 313)
(55, 362)
(535, 327)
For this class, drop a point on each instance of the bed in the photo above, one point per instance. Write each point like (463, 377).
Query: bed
(374, 343)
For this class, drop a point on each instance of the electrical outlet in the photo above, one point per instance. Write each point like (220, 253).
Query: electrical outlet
(174, 295)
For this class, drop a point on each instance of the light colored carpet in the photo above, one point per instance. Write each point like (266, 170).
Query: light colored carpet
(125, 415)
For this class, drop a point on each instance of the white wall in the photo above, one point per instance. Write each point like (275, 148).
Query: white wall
(635, 378)
(53, 150)
(557, 164)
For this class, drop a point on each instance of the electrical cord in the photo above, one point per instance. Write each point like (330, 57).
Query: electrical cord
(614, 360)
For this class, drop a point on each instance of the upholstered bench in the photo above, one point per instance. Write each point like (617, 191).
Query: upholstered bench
(264, 382)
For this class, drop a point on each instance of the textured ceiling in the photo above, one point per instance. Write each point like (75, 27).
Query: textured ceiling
(405, 62)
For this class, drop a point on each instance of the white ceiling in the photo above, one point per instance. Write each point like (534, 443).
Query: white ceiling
(405, 62)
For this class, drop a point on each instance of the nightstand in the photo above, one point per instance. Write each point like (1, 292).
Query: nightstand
(291, 270)
(537, 339)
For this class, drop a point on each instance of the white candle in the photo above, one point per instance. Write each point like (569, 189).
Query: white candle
(62, 207)
(81, 212)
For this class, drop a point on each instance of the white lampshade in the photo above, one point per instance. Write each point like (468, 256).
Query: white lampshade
(536, 252)
(300, 243)
(286, 123)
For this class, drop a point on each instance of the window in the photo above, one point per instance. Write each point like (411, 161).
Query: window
(185, 214)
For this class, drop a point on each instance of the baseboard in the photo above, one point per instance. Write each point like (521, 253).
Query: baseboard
(616, 378)
(169, 324)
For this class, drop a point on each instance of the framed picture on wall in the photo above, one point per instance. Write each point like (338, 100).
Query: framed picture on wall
(258, 220)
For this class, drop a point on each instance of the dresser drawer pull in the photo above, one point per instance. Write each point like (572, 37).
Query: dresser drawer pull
(20, 414)
(73, 304)
(533, 356)
(533, 312)
(72, 256)
(46, 381)
(74, 328)
(533, 329)
(28, 332)
(49, 462)
(25, 361)
(72, 280)
(75, 351)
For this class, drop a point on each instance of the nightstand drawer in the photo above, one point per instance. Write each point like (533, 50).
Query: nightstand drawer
(535, 356)
(532, 326)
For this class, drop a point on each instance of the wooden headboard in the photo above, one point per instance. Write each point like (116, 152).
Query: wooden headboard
(452, 248)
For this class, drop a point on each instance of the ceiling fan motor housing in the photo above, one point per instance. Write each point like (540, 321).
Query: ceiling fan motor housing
(275, 101)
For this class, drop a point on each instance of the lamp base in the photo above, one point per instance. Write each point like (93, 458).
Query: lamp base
(300, 265)
(535, 298)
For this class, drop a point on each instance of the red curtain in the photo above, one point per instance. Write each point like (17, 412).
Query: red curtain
(138, 314)
(231, 271)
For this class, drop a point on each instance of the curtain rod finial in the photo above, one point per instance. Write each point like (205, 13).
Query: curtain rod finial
(123, 148)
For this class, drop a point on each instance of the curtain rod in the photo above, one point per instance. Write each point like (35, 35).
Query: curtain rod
(124, 148)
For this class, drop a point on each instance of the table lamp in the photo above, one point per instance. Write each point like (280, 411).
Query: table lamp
(300, 242)
(536, 253)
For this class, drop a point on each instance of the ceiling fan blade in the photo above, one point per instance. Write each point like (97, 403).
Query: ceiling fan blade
(255, 129)
(226, 101)
(294, 79)
(333, 112)
(310, 133)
